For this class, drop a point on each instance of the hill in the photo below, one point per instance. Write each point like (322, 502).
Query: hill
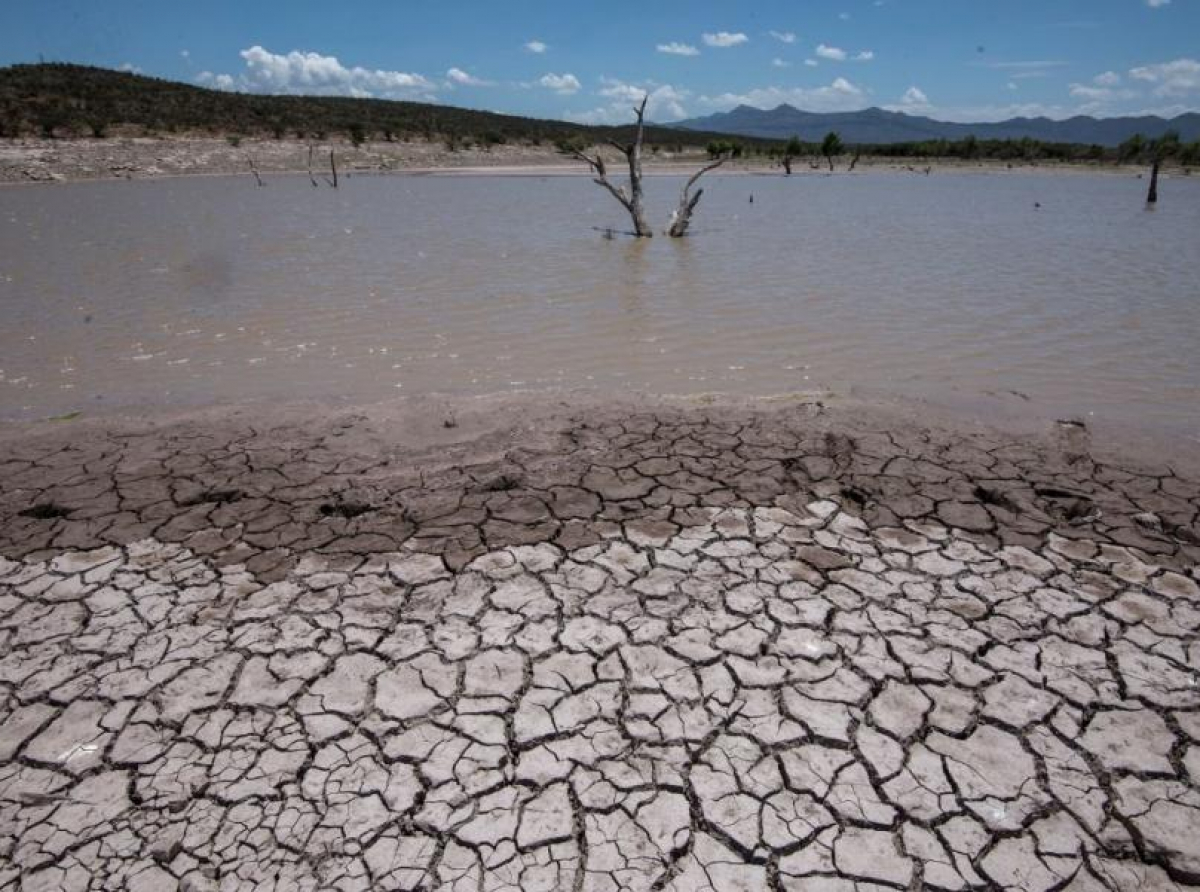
(876, 126)
(79, 100)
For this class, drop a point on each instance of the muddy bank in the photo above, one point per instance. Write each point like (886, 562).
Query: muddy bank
(41, 160)
(518, 644)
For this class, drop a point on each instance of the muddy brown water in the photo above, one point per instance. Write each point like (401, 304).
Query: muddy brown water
(188, 292)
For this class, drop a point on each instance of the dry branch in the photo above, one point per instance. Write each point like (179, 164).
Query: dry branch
(312, 179)
(254, 170)
(682, 217)
(631, 200)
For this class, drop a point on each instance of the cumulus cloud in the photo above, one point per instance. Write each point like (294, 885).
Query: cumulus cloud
(675, 48)
(562, 84)
(463, 79)
(130, 68)
(831, 52)
(915, 97)
(840, 95)
(864, 56)
(811, 63)
(664, 102)
(724, 39)
(536, 47)
(1170, 78)
(310, 73)
(780, 63)
(783, 36)
(217, 81)
(1155, 4)
(1107, 79)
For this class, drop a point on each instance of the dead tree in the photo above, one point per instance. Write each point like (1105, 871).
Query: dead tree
(681, 218)
(312, 179)
(333, 167)
(854, 160)
(254, 170)
(631, 200)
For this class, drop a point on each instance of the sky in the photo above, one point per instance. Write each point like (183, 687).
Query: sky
(961, 60)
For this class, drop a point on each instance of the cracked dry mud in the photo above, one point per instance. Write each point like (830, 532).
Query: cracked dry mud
(672, 649)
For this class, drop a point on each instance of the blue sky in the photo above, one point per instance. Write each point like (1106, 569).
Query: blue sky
(952, 59)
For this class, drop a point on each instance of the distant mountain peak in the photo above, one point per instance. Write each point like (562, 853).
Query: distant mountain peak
(876, 125)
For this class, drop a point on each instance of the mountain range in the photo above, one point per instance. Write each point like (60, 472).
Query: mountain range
(877, 125)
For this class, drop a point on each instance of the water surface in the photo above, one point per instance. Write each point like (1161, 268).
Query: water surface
(195, 291)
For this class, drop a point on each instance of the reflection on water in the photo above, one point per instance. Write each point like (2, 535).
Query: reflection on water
(204, 290)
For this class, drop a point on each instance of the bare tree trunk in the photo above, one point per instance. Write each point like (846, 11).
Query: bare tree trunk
(787, 165)
(312, 179)
(854, 160)
(631, 200)
(333, 167)
(682, 217)
(829, 158)
(254, 170)
(1152, 195)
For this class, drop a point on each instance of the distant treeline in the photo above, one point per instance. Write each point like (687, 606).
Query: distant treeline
(60, 100)
(1137, 149)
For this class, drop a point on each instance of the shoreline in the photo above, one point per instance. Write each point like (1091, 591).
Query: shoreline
(994, 415)
(126, 158)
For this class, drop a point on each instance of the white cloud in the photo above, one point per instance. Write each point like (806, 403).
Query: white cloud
(130, 68)
(536, 46)
(864, 56)
(831, 52)
(811, 63)
(313, 74)
(780, 63)
(1107, 79)
(663, 103)
(1155, 4)
(844, 16)
(783, 36)
(1098, 94)
(913, 101)
(675, 48)
(1024, 70)
(1170, 78)
(216, 81)
(725, 39)
(840, 95)
(562, 84)
(185, 54)
(463, 79)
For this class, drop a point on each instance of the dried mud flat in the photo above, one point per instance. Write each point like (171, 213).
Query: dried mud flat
(593, 647)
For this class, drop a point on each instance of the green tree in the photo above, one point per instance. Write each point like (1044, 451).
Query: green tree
(1132, 149)
(831, 146)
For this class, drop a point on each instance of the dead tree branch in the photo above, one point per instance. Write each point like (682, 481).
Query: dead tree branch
(312, 179)
(682, 216)
(254, 170)
(631, 200)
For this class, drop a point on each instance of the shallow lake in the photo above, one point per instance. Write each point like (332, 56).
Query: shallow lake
(185, 292)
